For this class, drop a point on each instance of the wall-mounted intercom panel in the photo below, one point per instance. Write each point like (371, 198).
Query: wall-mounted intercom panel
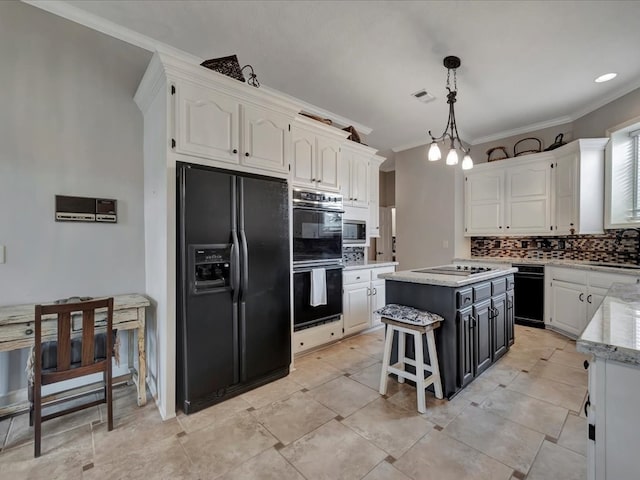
(85, 209)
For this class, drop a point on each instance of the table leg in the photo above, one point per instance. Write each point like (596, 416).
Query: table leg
(130, 364)
(142, 360)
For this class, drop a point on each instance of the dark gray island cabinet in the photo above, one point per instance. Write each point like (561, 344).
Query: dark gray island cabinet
(478, 323)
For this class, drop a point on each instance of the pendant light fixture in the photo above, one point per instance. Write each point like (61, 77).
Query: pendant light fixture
(451, 130)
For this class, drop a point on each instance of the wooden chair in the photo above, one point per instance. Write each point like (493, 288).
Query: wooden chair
(74, 357)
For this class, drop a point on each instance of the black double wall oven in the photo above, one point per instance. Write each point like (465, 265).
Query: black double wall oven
(317, 244)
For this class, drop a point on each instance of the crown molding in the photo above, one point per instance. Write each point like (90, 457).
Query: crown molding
(408, 146)
(621, 92)
(321, 112)
(554, 122)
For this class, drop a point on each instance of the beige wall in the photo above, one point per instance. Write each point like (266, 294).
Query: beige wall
(596, 123)
(387, 189)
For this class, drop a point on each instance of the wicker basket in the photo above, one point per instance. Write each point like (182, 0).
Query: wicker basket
(499, 153)
(531, 149)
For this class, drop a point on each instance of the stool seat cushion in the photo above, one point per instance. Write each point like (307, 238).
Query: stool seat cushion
(410, 315)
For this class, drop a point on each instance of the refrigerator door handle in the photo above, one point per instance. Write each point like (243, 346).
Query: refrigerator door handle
(244, 276)
(235, 266)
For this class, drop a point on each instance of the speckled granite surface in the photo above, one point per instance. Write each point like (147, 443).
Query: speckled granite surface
(367, 264)
(429, 278)
(614, 331)
(624, 269)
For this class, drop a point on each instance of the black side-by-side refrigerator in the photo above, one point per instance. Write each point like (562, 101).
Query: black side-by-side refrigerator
(233, 295)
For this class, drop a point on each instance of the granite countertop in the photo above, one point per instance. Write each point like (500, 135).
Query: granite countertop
(368, 264)
(614, 331)
(623, 269)
(429, 278)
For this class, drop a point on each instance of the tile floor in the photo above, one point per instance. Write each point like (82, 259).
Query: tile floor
(522, 418)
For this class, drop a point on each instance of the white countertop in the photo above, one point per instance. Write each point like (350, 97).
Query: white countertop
(614, 330)
(428, 278)
(368, 264)
(623, 269)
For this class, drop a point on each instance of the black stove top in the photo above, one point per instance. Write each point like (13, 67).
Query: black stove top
(460, 270)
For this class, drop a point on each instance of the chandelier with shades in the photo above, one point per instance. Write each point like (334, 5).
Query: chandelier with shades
(451, 130)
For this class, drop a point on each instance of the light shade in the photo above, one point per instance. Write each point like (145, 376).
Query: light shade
(467, 162)
(434, 152)
(452, 157)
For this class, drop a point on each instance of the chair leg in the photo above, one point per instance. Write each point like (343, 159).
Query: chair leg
(37, 413)
(402, 342)
(435, 366)
(386, 358)
(422, 408)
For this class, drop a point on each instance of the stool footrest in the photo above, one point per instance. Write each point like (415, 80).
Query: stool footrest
(412, 362)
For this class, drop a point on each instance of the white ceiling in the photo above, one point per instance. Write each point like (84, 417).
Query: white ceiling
(524, 64)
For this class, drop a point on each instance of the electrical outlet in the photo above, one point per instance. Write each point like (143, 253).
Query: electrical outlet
(445, 244)
(2, 260)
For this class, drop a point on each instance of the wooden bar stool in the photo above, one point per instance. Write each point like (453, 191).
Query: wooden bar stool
(409, 320)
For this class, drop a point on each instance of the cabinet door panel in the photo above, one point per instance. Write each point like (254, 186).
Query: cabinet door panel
(566, 193)
(528, 216)
(266, 138)
(303, 161)
(510, 318)
(466, 354)
(482, 334)
(356, 307)
(499, 327)
(207, 123)
(569, 311)
(360, 181)
(483, 203)
(328, 161)
(377, 300)
(528, 194)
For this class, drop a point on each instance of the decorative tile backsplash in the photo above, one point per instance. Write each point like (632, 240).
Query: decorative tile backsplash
(615, 246)
(353, 254)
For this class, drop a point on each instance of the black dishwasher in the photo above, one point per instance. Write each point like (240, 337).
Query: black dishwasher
(529, 295)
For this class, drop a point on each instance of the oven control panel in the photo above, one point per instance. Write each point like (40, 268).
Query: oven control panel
(313, 198)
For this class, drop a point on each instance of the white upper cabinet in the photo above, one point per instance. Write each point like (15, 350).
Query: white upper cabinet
(229, 130)
(355, 175)
(549, 193)
(207, 123)
(373, 226)
(266, 139)
(528, 198)
(316, 156)
(484, 202)
(579, 187)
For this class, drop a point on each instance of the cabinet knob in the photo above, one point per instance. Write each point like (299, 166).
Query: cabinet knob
(301, 344)
(28, 331)
(368, 292)
(375, 291)
(500, 226)
(589, 299)
(235, 150)
(246, 154)
(586, 364)
(581, 297)
(508, 226)
(332, 334)
(571, 224)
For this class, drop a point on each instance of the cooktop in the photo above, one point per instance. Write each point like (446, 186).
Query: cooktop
(461, 270)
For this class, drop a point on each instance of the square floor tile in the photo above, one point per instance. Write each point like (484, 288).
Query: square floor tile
(344, 395)
(385, 471)
(389, 427)
(557, 393)
(561, 373)
(501, 374)
(213, 414)
(310, 372)
(217, 449)
(271, 392)
(370, 377)
(333, 452)
(555, 461)
(574, 434)
(528, 411)
(570, 358)
(293, 417)
(347, 360)
(63, 456)
(269, 465)
(506, 441)
(438, 456)
(478, 390)
(439, 411)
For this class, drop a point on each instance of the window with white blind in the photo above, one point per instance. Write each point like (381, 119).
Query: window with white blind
(623, 177)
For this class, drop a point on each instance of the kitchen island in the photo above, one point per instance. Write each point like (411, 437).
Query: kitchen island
(613, 338)
(477, 307)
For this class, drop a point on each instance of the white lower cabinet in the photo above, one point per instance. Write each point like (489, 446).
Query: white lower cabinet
(614, 423)
(363, 293)
(573, 295)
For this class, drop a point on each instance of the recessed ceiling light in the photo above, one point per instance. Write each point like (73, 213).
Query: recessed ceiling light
(606, 77)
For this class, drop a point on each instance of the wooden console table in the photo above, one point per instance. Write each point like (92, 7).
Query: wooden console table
(17, 332)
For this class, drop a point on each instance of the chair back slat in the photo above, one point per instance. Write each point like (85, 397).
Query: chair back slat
(64, 341)
(88, 342)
